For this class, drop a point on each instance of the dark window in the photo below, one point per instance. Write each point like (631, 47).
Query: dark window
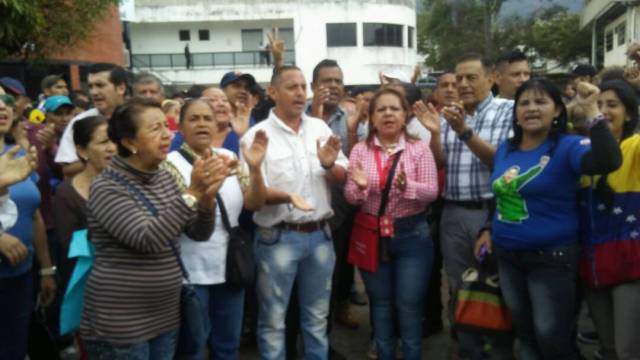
(620, 33)
(185, 35)
(608, 40)
(203, 35)
(376, 34)
(341, 34)
(410, 32)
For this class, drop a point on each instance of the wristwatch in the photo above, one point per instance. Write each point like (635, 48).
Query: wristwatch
(190, 200)
(48, 271)
(465, 135)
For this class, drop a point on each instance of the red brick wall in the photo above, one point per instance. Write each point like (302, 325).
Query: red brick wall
(104, 44)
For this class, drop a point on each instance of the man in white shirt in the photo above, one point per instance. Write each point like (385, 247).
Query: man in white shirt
(293, 240)
(107, 87)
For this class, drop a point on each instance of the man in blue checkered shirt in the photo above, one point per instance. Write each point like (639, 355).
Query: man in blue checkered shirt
(467, 190)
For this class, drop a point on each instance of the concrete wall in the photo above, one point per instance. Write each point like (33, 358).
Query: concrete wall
(156, 25)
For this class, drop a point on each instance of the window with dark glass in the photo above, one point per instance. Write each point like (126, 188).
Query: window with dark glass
(343, 34)
(378, 34)
(608, 40)
(203, 35)
(620, 33)
(185, 35)
(410, 32)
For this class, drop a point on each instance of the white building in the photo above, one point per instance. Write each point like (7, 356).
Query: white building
(614, 24)
(365, 37)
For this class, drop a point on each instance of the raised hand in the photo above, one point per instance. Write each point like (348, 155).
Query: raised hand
(328, 153)
(354, 118)
(14, 170)
(401, 179)
(46, 135)
(428, 116)
(359, 176)
(240, 122)
(205, 171)
(587, 99)
(254, 154)
(454, 114)
(320, 96)
(299, 202)
(13, 249)
(277, 49)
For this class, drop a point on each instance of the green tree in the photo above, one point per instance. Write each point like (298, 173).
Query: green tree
(556, 35)
(40, 27)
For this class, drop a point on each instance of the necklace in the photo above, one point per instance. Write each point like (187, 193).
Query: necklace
(389, 148)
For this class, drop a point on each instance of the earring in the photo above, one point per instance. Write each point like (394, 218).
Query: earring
(134, 151)
(555, 122)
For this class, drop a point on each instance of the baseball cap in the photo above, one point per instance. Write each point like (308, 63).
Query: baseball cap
(12, 85)
(54, 102)
(232, 76)
(584, 70)
(50, 80)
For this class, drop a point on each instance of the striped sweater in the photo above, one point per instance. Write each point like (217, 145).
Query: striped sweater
(133, 292)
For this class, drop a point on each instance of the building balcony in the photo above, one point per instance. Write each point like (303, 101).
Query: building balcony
(229, 60)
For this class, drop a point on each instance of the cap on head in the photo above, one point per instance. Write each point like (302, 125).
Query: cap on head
(50, 80)
(584, 70)
(53, 103)
(13, 86)
(232, 76)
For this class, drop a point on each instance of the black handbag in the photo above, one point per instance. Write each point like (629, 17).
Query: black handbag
(193, 325)
(241, 264)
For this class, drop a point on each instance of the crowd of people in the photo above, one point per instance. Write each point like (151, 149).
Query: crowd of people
(493, 165)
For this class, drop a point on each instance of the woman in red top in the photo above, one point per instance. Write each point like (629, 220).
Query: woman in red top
(397, 287)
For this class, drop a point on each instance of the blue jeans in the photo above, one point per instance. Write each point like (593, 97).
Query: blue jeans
(284, 256)
(223, 304)
(398, 288)
(161, 347)
(539, 287)
(15, 311)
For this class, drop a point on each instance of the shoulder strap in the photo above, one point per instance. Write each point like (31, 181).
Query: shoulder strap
(149, 205)
(186, 156)
(387, 185)
(223, 213)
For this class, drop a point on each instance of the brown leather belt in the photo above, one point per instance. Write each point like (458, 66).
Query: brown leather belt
(307, 227)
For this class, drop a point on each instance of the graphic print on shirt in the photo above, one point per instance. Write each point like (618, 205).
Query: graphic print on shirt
(510, 205)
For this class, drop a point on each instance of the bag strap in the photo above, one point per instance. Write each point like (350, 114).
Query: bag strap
(223, 209)
(387, 186)
(149, 205)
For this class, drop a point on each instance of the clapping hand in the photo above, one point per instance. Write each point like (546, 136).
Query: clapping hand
(359, 176)
(254, 154)
(14, 170)
(454, 114)
(240, 122)
(428, 116)
(354, 118)
(401, 179)
(320, 96)
(328, 153)
(207, 176)
(46, 135)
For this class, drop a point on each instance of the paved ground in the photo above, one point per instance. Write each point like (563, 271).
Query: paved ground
(354, 344)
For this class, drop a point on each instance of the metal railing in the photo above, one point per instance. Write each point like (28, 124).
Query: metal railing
(205, 60)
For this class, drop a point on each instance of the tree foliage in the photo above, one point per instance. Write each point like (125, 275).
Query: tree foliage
(41, 27)
(447, 29)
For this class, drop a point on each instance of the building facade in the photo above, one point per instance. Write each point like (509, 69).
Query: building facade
(365, 37)
(613, 24)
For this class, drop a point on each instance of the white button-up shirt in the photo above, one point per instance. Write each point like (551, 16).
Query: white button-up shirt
(291, 165)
